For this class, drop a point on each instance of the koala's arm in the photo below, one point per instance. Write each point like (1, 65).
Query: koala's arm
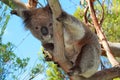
(22, 8)
(72, 25)
(19, 7)
(87, 60)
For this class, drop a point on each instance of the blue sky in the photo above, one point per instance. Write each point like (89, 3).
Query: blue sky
(26, 44)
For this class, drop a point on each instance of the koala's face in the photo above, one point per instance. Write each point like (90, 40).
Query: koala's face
(39, 21)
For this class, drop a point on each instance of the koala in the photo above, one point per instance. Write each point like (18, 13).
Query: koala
(81, 45)
(82, 42)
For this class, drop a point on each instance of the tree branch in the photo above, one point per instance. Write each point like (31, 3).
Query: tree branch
(59, 49)
(106, 74)
(115, 47)
(101, 35)
(85, 14)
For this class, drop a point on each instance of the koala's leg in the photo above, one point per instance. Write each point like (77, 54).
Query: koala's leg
(49, 53)
(15, 12)
(88, 60)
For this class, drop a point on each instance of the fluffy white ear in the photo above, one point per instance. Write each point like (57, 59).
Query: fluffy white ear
(32, 4)
(22, 13)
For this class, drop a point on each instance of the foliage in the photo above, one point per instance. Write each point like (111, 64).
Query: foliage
(4, 18)
(39, 68)
(47, 68)
(79, 13)
(9, 62)
(52, 71)
(116, 79)
(111, 23)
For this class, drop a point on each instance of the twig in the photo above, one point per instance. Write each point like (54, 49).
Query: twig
(85, 17)
(85, 14)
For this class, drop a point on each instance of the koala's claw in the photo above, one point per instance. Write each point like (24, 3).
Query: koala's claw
(57, 64)
(62, 16)
(47, 58)
(70, 73)
(14, 12)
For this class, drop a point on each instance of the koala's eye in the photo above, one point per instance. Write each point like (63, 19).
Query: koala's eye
(36, 28)
(44, 30)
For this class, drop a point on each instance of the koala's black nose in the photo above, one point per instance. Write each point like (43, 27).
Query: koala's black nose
(44, 30)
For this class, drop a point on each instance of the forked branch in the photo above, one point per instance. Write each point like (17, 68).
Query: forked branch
(101, 35)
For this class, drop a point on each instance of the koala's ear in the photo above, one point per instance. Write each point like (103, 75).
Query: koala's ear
(27, 13)
(47, 7)
(27, 16)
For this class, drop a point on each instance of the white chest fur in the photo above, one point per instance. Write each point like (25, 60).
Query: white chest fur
(73, 33)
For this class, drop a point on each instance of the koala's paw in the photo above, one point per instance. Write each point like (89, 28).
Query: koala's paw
(62, 16)
(57, 64)
(14, 12)
(74, 70)
(48, 56)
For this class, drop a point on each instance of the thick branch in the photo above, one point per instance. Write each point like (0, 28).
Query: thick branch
(59, 50)
(106, 74)
(115, 47)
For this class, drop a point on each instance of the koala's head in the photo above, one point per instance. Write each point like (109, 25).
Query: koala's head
(39, 21)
